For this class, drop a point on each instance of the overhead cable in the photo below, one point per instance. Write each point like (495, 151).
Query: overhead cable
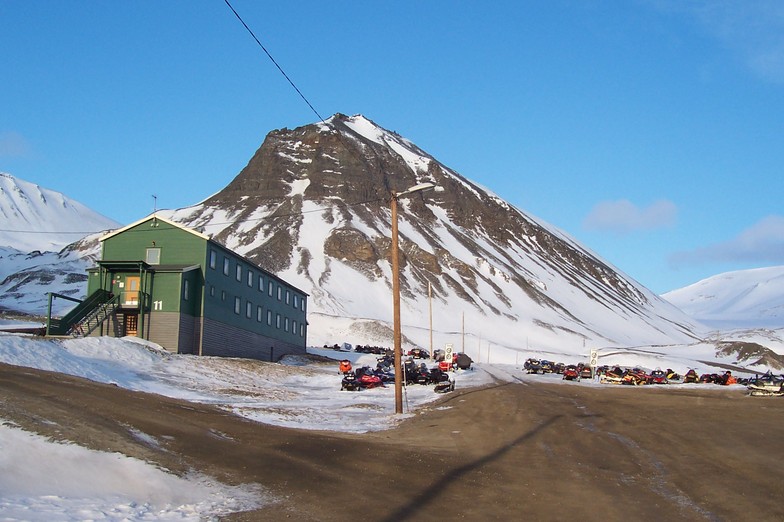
(273, 60)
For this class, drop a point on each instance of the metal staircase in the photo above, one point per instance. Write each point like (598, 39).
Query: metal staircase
(95, 318)
(86, 316)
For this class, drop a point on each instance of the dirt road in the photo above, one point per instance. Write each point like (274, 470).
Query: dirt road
(505, 452)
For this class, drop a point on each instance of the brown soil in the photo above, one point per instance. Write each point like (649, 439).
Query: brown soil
(504, 452)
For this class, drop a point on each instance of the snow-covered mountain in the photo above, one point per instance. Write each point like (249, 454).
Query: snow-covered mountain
(47, 242)
(741, 299)
(313, 206)
(36, 218)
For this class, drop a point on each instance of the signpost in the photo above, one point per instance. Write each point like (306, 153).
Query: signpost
(448, 351)
(593, 361)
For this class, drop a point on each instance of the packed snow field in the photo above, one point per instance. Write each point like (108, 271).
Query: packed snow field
(300, 392)
(40, 481)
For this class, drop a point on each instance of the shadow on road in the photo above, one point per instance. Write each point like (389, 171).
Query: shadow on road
(431, 493)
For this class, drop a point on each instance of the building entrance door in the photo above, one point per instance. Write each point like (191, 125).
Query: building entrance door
(131, 324)
(131, 292)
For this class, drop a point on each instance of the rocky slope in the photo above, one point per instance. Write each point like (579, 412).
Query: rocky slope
(313, 206)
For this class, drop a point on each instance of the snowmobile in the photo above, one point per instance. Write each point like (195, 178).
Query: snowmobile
(635, 377)
(571, 373)
(414, 373)
(612, 376)
(463, 361)
(532, 366)
(418, 353)
(710, 378)
(443, 381)
(367, 378)
(657, 376)
(691, 377)
(445, 387)
(673, 377)
(768, 385)
(349, 382)
(727, 379)
(585, 372)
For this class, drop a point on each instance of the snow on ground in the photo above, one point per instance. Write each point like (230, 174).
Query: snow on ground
(37, 476)
(300, 392)
(48, 481)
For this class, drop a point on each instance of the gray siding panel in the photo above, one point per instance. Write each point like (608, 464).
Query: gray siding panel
(229, 341)
(164, 329)
(189, 334)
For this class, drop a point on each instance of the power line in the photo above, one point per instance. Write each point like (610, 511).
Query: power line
(273, 60)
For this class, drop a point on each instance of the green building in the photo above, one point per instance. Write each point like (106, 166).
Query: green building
(163, 282)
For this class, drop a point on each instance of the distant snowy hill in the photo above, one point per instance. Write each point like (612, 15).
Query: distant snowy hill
(36, 218)
(47, 242)
(741, 299)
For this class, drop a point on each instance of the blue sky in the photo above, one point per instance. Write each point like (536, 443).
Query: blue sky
(652, 131)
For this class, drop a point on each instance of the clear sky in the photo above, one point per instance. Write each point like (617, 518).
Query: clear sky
(652, 131)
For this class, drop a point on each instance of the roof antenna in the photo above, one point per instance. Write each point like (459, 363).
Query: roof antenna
(154, 211)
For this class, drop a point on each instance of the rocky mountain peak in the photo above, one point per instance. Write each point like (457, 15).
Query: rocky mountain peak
(313, 205)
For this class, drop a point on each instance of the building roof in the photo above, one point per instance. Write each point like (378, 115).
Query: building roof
(155, 217)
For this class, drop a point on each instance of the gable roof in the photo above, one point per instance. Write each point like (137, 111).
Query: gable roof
(157, 218)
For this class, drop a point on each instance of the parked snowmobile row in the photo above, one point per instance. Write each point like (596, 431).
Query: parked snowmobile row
(413, 373)
(636, 376)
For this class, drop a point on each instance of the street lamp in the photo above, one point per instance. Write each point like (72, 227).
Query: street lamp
(396, 293)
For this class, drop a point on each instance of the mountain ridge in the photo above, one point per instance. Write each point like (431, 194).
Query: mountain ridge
(470, 246)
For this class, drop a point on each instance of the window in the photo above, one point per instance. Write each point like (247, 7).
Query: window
(302, 304)
(296, 301)
(250, 278)
(223, 295)
(286, 324)
(153, 256)
(280, 293)
(269, 288)
(237, 305)
(293, 326)
(226, 266)
(288, 297)
(239, 272)
(269, 317)
(277, 321)
(185, 290)
(213, 258)
(261, 284)
(259, 314)
(301, 330)
(248, 309)
(212, 291)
